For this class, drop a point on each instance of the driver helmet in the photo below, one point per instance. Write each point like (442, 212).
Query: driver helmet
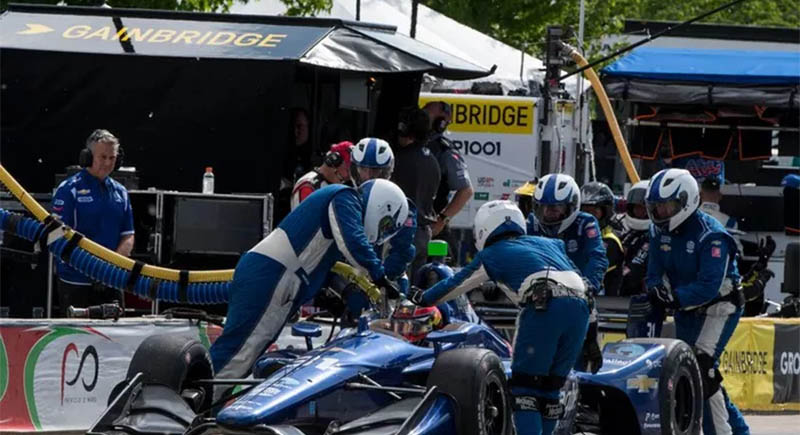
(385, 210)
(672, 197)
(598, 195)
(496, 218)
(371, 158)
(635, 210)
(413, 322)
(556, 203)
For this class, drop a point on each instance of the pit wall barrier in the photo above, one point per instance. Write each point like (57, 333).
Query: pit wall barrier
(56, 375)
(760, 364)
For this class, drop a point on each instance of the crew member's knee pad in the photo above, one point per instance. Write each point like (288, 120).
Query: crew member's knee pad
(550, 409)
(712, 378)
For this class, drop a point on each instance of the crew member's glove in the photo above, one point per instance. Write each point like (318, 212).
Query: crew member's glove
(415, 295)
(665, 296)
(754, 283)
(389, 289)
(592, 355)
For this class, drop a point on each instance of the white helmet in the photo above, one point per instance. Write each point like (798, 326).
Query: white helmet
(495, 218)
(374, 155)
(672, 197)
(385, 210)
(636, 197)
(556, 190)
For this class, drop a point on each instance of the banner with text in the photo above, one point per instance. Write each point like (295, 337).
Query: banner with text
(498, 137)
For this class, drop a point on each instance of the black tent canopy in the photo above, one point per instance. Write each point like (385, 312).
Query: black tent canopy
(189, 90)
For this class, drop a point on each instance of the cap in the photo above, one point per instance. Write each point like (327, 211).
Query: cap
(710, 183)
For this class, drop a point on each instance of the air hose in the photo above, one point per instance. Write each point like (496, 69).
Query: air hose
(106, 254)
(613, 125)
(213, 292)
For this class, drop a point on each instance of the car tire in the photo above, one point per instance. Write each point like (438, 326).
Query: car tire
(475, 379)
(680, 388)
(173, 361)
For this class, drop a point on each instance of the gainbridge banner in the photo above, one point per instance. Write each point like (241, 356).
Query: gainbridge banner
(498, 137)
(56, 375)
(761, 365)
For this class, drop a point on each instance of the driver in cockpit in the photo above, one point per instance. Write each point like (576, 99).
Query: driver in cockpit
(414, 322)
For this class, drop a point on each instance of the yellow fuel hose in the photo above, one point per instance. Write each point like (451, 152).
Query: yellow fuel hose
(611, 118)
(40, 213)
(349, 273)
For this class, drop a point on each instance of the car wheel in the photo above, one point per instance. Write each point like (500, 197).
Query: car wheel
(475, 379)
(174, 361)
(680, 388)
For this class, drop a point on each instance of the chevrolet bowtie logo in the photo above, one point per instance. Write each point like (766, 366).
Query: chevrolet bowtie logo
(642, 383)
(34, 29)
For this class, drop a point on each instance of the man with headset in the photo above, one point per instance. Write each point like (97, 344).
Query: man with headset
(335, 169)
(97, 206)
(417, 172)
(455, 176)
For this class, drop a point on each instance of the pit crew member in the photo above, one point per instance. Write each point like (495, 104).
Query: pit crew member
(635, 241)
(692, 269)
(288, 267)
(335, 169)
(536, 273)
(598, 200)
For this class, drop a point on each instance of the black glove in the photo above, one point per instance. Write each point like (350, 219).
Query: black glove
(592, 355)
(389, 289)
(660, 294)
(415, 295)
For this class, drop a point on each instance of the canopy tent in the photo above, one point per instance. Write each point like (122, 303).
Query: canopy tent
(709, 77)
(513, 68)
(178, 88)
(329, 43)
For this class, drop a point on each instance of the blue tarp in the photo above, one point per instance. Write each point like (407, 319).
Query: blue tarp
(709, 66)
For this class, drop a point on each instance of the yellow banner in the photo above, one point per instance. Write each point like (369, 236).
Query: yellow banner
(488, 114)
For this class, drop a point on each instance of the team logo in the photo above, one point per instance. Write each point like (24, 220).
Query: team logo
(572, 245)
(666, 239)
(716, 252)
(83, 191)
(89, 353)
(666, 248)
(642, 383)
(690, 247)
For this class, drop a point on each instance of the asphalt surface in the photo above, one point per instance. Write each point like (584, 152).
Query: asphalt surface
(783, 424)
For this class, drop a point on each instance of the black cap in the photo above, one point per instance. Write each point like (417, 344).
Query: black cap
(710, 183)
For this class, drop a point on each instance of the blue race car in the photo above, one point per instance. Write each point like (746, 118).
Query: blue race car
(371, 380)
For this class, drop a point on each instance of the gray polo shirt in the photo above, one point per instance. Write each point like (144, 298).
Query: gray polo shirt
(455, 175)
(417, 173)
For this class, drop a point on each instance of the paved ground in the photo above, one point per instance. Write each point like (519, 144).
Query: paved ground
(773, 424)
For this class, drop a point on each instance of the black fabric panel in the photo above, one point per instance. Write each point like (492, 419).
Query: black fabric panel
(717, 143)
(646, 141)
(686, 141)
(755, 144)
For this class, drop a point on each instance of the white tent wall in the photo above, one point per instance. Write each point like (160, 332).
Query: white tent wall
(437, 30)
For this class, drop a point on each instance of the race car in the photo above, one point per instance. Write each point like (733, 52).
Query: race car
(372, 380)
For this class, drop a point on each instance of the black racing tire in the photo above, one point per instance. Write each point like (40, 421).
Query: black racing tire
(475, 379)
(174, 361)
(680, 388)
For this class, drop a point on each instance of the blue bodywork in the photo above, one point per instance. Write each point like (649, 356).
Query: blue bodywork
(311, 387)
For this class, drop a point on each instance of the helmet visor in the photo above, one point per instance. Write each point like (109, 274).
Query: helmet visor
(550, 214)
(637, 211)
(662, 211)
(386, 229)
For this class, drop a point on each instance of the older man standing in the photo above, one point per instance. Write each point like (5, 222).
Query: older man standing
(97, 206)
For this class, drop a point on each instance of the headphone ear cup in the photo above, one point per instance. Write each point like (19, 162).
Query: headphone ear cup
(120, 158)
(440, 124)
(85, 158)
(333, 159)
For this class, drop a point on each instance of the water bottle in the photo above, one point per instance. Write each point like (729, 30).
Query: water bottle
(208, 181)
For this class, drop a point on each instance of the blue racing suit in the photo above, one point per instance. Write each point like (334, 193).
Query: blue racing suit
(547, 341)
(584, 243)
(401, 249)
(697, 261)
(286, 269)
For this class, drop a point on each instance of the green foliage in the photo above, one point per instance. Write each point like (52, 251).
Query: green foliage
(522, 23)
(307, 8)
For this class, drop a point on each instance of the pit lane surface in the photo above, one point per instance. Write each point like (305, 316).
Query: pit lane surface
(773, 424)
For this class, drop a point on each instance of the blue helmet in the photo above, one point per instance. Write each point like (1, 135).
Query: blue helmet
(385, 210)
(672, 196)
(371, 158)
(556, 202)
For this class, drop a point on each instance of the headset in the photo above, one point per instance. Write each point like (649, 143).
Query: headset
(440, 124)
(85, 158)
(333, 159)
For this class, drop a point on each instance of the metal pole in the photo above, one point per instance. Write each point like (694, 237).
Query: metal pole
(49, 285)
(358, 10)
(414, 7)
